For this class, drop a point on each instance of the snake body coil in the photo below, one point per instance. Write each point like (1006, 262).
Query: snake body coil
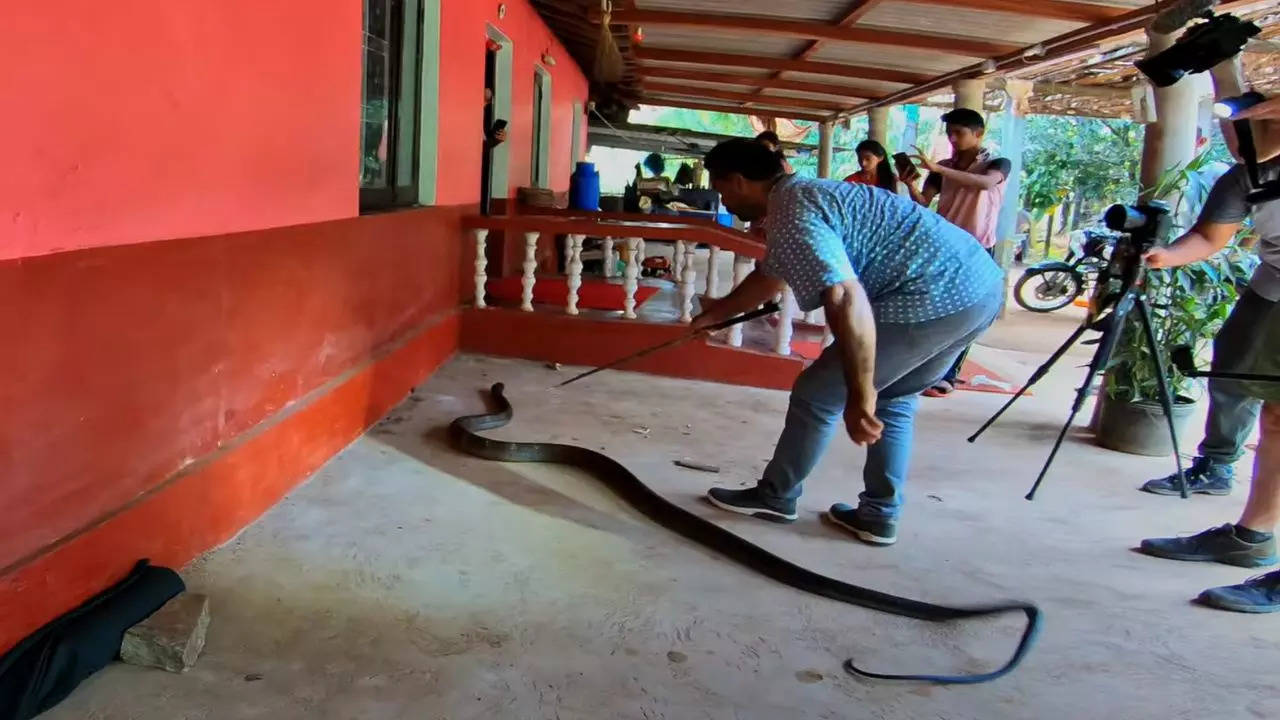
(464, 433)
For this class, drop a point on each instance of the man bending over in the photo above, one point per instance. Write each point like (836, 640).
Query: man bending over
(904, 291)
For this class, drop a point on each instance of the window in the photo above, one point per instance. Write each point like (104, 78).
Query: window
(391, 103)
(540, 166)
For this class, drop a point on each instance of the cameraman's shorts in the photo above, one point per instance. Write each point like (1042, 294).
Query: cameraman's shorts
(1265, 358)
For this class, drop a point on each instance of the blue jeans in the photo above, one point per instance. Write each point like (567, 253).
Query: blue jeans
(1233, 413)
(910, 358)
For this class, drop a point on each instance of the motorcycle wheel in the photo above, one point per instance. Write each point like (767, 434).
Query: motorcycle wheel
(1046, 291)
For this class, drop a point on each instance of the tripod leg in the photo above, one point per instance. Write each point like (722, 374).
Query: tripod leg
(1166, 395)
(1101, 356)
(1039, 373)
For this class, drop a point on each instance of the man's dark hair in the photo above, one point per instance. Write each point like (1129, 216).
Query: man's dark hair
(769, 136)
(748, 158)
(965, 118)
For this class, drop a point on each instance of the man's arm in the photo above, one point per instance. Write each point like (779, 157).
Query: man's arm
(924, 197)
(1204, 240)
(754, 291)
(854, 327)
(987, 180)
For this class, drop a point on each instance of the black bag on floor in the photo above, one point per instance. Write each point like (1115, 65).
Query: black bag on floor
(47, 665)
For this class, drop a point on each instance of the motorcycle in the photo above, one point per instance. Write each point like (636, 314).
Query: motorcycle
(1054, 284)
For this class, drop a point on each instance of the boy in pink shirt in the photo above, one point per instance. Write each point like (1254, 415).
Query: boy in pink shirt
(969, 187)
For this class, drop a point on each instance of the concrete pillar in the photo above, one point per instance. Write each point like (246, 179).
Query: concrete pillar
(878, 125)
(1013, 134)
(1171, 140)
(1012, 138)
(969, 92)
(825, 136)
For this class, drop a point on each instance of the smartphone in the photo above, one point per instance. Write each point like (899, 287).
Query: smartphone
(902, 162)
(499, 125)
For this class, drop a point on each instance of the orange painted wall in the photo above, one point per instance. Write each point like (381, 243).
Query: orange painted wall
(134, 120)
(191, 314)
(462, 44)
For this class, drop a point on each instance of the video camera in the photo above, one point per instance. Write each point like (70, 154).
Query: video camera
(1204, 45)
(1139, 228)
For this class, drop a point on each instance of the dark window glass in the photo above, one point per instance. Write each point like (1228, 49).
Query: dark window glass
(391, 103)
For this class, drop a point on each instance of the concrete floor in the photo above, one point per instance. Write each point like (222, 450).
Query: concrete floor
(406, 581)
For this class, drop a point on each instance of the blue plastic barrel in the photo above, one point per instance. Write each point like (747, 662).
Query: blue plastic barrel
(584, 187)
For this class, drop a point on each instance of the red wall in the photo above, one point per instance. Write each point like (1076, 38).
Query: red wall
(136, 120)
(192, 318)
(462, 46)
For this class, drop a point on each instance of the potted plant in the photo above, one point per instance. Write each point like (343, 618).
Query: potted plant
(1188, 306)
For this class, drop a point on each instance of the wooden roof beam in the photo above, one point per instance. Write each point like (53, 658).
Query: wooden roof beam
(774, 100)
(747, 24)
(783, 65)
(1081, 12)
(761, 81)
(736, 109)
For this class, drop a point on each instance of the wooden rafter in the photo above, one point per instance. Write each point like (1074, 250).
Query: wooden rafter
(748, 24)
(856, 72)
(841, 91)
(694, 93)
(759, 112)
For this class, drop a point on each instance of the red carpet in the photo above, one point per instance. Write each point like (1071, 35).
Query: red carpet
(973, 376)
(593, 295)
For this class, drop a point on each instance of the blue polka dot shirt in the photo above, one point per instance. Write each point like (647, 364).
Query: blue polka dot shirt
(914, 265)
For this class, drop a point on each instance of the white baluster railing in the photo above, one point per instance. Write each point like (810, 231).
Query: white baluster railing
(639, 251)
(573, 264)
(687, 282)
(677, 261)
(608, 257)
(783, 344)
(742, 266)
(713, 276)
(631, 278)
(480, 234)
(529, 266)
(811, 317)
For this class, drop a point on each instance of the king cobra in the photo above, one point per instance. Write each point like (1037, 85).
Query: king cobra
(464, 433)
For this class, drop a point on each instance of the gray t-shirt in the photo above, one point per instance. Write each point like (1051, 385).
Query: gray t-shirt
(1228, 203)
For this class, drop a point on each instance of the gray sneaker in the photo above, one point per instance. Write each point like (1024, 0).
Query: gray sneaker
(1204, 477)
(881, 531)
(751, 502)
(1218, 544)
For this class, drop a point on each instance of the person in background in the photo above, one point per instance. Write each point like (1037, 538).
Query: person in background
(969, 187)
(770, 139)
(497, 134)
(876, 169)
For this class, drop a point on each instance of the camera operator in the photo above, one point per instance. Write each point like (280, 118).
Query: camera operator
(1249, 340)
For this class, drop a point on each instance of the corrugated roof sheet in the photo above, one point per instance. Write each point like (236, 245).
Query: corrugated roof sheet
(706, 40)
(888, 56)
(980, 24)
(819, 10)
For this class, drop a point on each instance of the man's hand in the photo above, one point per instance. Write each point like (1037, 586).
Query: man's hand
(707, 317)
(1157, 258)
(860, 418)
(499, 136)
(923, 158)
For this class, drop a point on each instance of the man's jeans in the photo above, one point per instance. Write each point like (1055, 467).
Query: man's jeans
(1232, 412)
(909, 359)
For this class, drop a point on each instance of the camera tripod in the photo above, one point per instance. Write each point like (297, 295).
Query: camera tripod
(1110, 325)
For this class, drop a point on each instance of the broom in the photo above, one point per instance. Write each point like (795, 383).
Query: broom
(609, 65)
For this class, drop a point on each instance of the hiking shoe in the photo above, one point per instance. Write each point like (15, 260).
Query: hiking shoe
(1218, 544)
(1259, 594)
(751, 502)
(881, 532)
(1204, 476)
